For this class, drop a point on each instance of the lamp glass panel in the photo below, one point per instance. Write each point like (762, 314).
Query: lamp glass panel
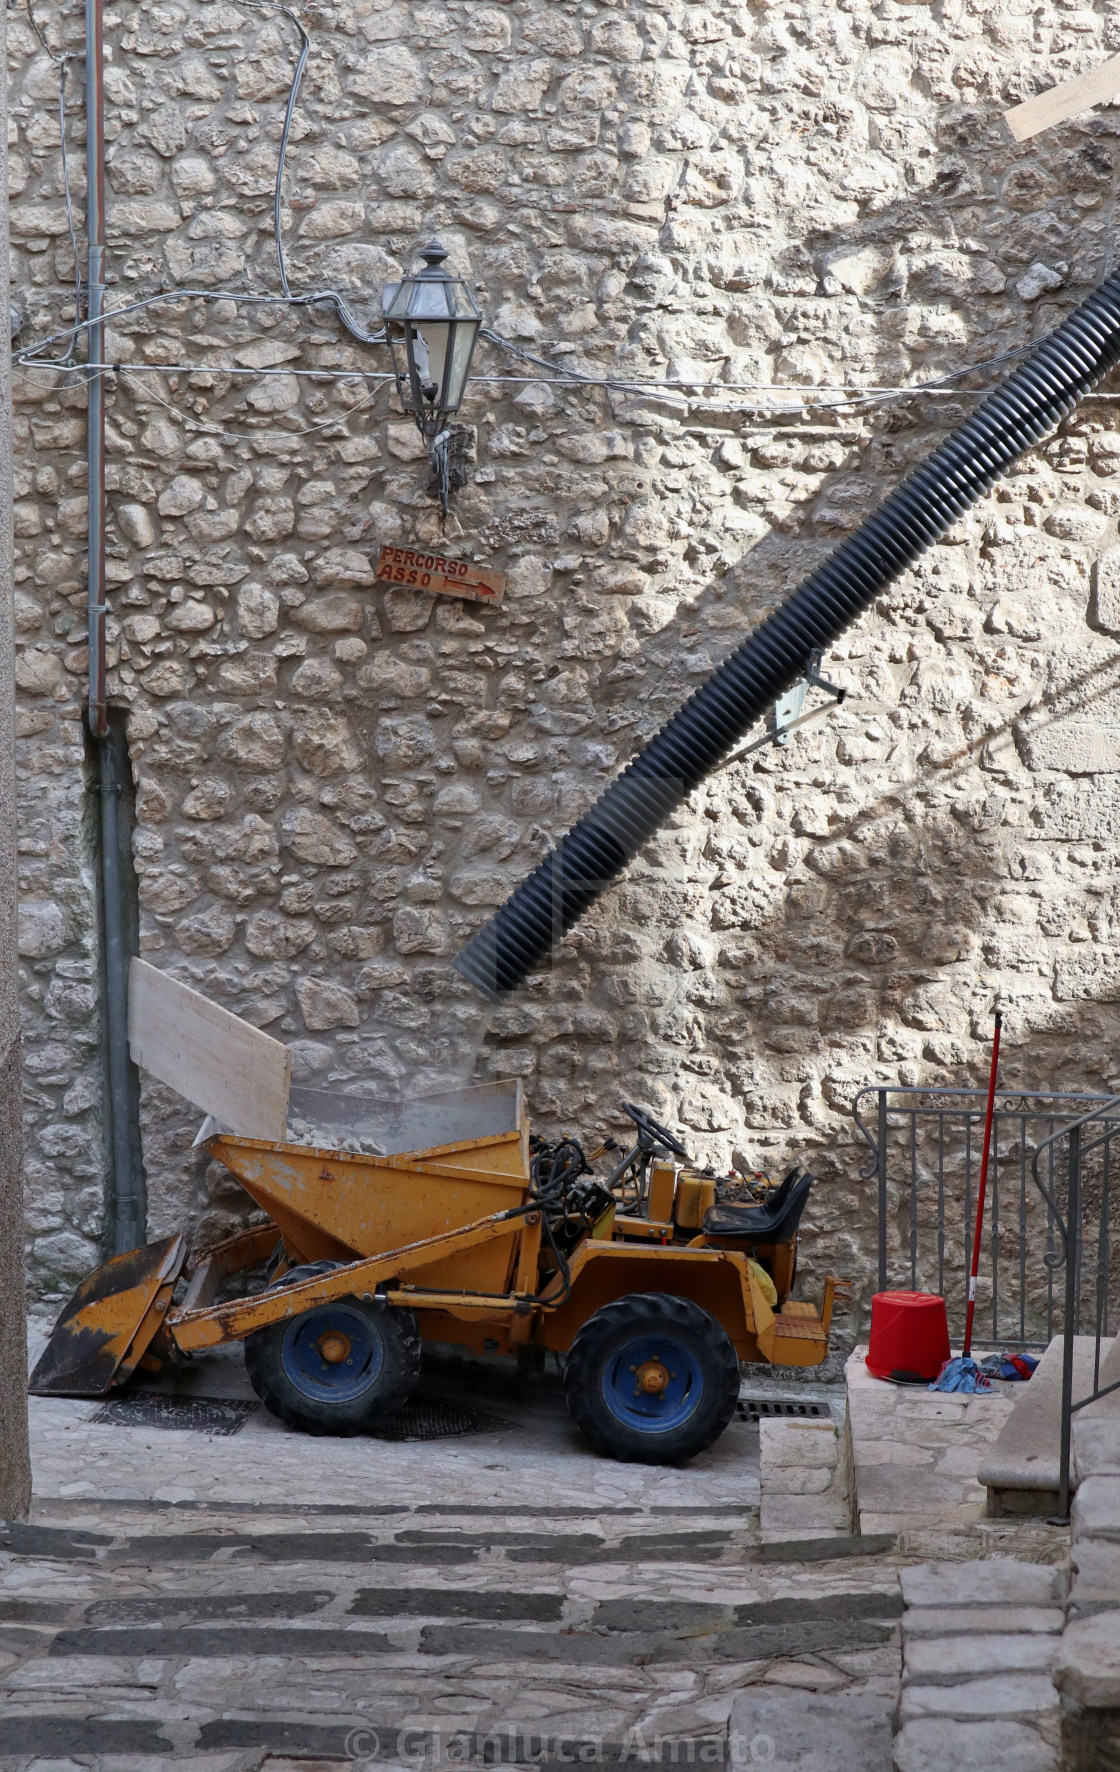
(462, 344)
(462, 302)
(431, 357)
(428, 300)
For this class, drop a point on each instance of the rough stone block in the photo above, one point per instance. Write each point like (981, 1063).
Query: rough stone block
(1095, 1564)
(932, 1661)
(991, 1582)
(1096, 1508)
(937, 1744)
(1087, 1671)
(944, 1621)
(1010, 1695)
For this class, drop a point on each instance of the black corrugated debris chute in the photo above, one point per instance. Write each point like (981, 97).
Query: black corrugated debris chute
(665, 771)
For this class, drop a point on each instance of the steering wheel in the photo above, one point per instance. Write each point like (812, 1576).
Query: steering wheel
(650, 1129)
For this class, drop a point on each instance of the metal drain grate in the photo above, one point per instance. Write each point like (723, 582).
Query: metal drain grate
(425, 1418)
(754, 1408)
(428, 1418)
(203, 1415)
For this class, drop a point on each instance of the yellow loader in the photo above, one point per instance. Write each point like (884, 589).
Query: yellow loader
(651, 1282)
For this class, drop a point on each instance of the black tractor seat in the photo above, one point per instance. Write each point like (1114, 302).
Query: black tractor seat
(774, 1222)
(772, 1201)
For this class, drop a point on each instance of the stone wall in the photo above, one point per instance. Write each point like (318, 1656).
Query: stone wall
(336, 783)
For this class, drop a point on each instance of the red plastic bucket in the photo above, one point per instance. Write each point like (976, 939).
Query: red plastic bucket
(909, 1336)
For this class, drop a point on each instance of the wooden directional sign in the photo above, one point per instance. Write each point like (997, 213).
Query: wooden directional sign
(1060, 102)
(417, 570)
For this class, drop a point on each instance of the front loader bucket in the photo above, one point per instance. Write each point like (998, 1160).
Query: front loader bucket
(107, 1325)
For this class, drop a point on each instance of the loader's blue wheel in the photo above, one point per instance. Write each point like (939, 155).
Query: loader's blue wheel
(339, 1368)
(333, 1354)
(652, 1379)
(676, 1393)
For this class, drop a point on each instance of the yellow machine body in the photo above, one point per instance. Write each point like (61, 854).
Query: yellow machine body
(448, 1231)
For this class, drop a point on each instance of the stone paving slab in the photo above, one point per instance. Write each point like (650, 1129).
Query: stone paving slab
(1009, 1695)
(833, 1732)
(997, 1581)
(929, 1621)
(536, 1451)
(181, 1627)
(947, 1660)
(933, 1744)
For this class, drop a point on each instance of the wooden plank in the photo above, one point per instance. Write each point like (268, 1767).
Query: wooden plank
(212, 1058)
(1060, 102)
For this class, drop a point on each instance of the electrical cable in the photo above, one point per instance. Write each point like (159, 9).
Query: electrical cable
(854, 396)
(63, 65)
(62, 61)
(819, 394)
(28, 358)
(194, 423)
(322, 297)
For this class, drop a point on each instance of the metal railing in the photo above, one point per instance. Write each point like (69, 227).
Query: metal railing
(924, 1156)
(1085, 1224)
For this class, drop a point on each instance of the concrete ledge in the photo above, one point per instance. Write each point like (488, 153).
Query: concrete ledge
(915, 1453)
(1021, 1471)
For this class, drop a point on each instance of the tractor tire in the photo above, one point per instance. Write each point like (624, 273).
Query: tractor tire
(374, 1363)
(652, 1379)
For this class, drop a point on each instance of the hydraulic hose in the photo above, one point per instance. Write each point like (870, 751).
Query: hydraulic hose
(665, 771)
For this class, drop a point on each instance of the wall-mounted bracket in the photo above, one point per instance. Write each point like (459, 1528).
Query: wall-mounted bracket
(788, 711)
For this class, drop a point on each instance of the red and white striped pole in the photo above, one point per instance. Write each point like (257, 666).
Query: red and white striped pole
(967, 1348)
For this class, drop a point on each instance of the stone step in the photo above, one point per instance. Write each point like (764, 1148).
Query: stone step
(130, 1649)
(803, 1478)
(980, 1642)
(1020, 1472)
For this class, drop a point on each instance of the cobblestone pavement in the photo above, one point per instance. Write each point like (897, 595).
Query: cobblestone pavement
(413, 1635)
(269, 1597)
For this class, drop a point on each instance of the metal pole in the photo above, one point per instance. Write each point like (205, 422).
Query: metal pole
(1073, 1239)
(882, 1175)
(15, 1463)
(128, 1195)
(95, 387)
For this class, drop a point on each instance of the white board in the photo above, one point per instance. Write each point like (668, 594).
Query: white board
(1060, 102)
(210, 1057)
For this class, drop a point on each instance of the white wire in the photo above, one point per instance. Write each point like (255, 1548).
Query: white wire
(831, 397)
(192, 422)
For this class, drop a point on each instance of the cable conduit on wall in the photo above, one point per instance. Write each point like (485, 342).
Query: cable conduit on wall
(1064, 368)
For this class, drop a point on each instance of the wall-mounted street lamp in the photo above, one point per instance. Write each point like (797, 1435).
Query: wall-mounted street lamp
(432, 318)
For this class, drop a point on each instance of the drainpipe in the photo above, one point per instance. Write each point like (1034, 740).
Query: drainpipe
(128, 1198)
